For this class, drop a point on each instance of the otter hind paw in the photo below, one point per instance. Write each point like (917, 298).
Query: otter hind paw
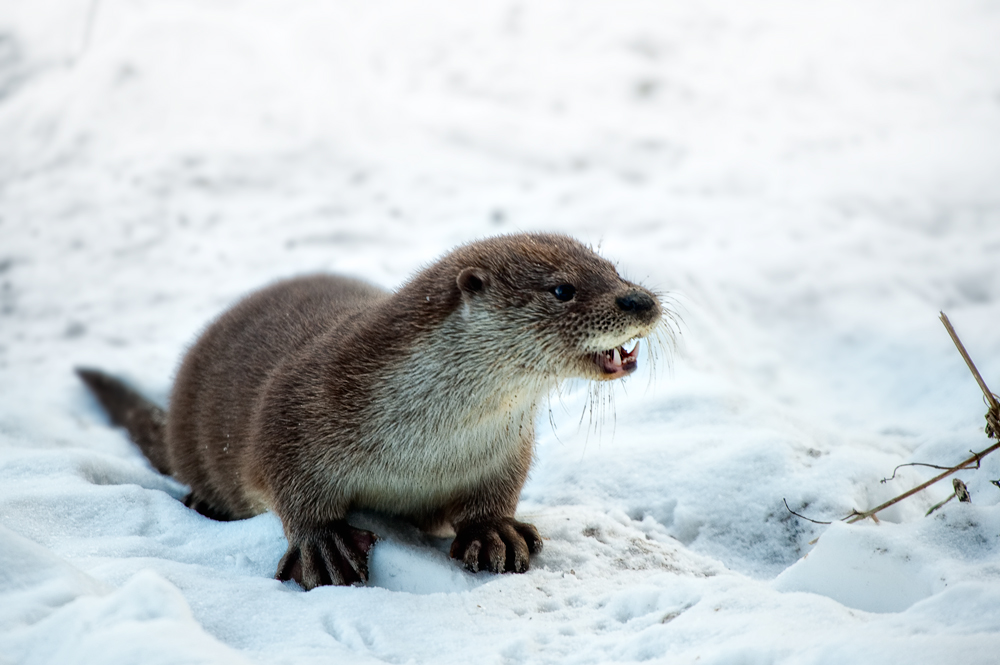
(336, 554)
(498, 546)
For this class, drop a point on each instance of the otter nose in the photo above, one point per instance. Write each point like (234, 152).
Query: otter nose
(635, 302)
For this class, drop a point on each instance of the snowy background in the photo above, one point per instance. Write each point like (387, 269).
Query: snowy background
(810, 181)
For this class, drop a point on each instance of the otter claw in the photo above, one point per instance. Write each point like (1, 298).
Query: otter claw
(336, 554)
(498, 546)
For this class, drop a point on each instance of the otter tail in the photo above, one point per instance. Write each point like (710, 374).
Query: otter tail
(146, 422)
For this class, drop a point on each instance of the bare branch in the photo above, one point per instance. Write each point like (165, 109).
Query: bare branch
(991, 399)
(939, 504)
(803, 516)
(851, 519)
(992, 431)
(932, 466)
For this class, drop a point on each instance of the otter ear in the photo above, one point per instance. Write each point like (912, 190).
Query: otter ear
(472, 281)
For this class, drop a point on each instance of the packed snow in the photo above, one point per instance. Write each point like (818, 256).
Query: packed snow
(808, 183)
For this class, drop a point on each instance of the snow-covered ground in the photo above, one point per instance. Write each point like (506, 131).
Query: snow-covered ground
(810, 181)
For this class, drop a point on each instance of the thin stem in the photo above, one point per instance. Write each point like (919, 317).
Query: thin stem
(809, 519)
(931, 466)
(990, 397)
(957, 467)
(938, 505)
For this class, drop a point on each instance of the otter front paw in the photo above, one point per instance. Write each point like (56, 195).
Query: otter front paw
(334, 554)
(499, 546)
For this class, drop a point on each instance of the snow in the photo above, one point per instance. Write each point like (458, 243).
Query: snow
(808, 183)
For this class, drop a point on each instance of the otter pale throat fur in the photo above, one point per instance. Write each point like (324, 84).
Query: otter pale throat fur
(319, 395)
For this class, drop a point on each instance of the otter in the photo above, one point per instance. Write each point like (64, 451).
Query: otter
(320, 395)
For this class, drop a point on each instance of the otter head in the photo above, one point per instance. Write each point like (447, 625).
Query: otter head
(553, 306)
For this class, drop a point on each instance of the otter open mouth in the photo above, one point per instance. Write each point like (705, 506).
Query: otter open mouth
(617, 362)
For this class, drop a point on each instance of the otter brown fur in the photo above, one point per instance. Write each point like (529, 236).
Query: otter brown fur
(319, 395)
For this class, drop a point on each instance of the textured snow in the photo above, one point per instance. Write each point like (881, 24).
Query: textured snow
(809, 183)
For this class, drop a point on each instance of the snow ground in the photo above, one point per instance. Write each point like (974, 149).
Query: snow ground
(810, 182)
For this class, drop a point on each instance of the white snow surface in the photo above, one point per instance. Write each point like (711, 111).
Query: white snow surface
(809, 183)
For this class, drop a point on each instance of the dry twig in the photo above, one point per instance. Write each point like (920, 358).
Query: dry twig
(992, 401)
(856, 516)
(931, 466)
(961, 491)
(939, 504)
(808, 519)
(992, 431)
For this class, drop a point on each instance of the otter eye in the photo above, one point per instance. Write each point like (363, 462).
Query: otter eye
(564, 292)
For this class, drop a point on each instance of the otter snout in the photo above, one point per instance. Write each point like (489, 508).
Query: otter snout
(636, 302)
(639, 304)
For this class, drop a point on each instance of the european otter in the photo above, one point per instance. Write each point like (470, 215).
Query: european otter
(322, 394)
